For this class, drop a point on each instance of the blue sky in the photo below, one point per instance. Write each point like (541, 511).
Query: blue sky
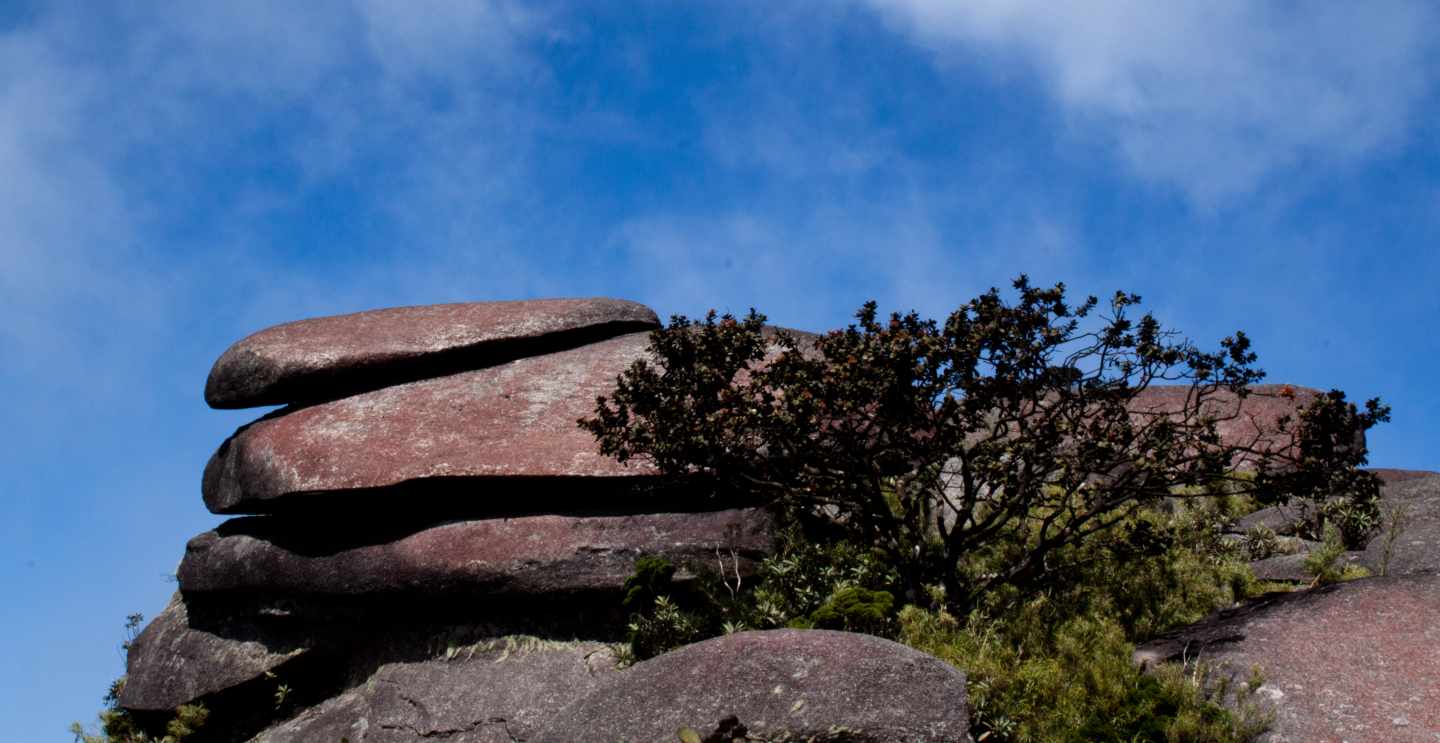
(174, 180)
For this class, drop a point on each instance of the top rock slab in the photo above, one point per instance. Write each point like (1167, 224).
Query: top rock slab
(1253, 422)
(326, 358)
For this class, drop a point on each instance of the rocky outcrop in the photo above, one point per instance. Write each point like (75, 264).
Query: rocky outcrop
(531, 556)
(185, 654)
(1389, 475)
(780, 685)
(426, 497)
(502, 438)
(1408, 540)
(328, 357)
(492, 692)
(1353, 661)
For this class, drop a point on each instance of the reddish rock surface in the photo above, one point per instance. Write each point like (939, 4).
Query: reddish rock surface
(1355, 661)
(1388, 475)
(496, 692)
(329, 357)
(781, 685)
(176, 660)
(502, 557)
(496, 436)
(1253, 422)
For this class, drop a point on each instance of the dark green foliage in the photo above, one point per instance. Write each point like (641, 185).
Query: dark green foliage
(1008, 431)
(657, 623)
(663, 627)
(651, 580)
(1327, 480)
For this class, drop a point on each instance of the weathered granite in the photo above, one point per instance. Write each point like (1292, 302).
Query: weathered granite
(494, 437)
(1414, 544)
(329, 357)
(532, 556)
(492, 692)
(804, 684)
(179, 658)
(1355, 661)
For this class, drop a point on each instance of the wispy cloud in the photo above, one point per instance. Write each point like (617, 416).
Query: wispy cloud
(1215, 98)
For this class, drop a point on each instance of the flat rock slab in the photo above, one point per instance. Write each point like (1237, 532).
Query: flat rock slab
(1413, 546)
(176, 660)
(495, 692)
(500, 438)
(330, 357)
(1356, 661)
(781, 685)
(532, 556)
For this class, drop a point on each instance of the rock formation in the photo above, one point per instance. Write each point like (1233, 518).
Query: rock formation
(429, 548)
(1352, 661)
(439, 549)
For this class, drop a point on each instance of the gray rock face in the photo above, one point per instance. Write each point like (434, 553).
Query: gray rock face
(1414, 546)
(1353, 661)
(493, 438)
(178, 659)
(329, 357)
(535, 556)
(805, 684)
(496, 692)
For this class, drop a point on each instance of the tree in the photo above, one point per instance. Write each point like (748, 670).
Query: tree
(1006, 433)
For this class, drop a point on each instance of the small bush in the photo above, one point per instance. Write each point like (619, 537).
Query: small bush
(1326, 564)
(853, 609)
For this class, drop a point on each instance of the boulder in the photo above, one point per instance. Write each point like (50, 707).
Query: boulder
(1412, 544)
(780, 685)
(1352, 661)
(329, 357)
(1280, 519)
(531, 556)
(183, 655)
(493, 692)
(1291, 568)
(496, 440)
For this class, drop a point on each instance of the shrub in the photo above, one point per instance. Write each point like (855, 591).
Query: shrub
(1010, 428)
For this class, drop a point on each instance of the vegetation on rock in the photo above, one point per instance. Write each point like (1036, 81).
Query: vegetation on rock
(994, 475)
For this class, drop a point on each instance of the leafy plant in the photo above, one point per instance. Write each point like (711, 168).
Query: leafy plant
(1326, 564)
(1395, 518)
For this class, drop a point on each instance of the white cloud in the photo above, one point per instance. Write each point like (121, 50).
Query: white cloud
(1213, 97)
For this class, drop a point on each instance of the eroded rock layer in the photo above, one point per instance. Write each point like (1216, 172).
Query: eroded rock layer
(326, 357)
(499, 437)
(548, 555)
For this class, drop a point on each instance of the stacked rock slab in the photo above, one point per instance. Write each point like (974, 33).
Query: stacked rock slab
(423, 505)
